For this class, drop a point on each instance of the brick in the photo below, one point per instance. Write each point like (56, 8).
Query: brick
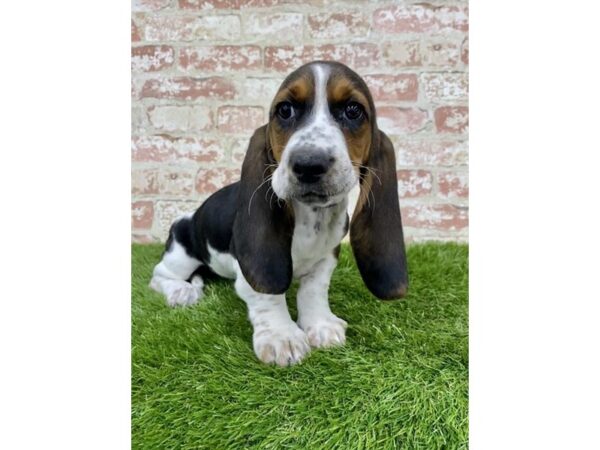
(144, 181)
(211, 180)
(464, 51)
(136, 86)
(164, 148)
(402, 54)
(395, 120)
(181, 118)
(414, 183)
(280, 26)
(286, 58)
(445, 86)
(220, 58)
(149, 5)
(176, 181)
(238, 150)
(209, 4)
(230, 4)
(452, 119)
(435, 217)
(335, 25)
(135, 32)
(239, 119)
(440, 53)
(169, 210)
(411, 153)
(188, 88)
(142, 214)
(191, 28)
(138, 119)
(393, 87)
(151, 58)
(260, 89)
(420, 18)
(265, 3)
(453, 184)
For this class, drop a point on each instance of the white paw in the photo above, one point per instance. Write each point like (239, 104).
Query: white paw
(327, 331)
(283, 346)
(179, 292)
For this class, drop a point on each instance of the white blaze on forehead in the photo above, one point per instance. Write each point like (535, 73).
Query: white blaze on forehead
(320, 130)
(321, 106)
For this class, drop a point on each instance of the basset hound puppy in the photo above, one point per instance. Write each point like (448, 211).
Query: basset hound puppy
(287, 215)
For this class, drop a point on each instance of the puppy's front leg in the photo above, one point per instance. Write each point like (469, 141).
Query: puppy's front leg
(323, 328)
(277, 339)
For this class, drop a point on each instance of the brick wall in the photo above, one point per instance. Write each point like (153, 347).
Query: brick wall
(205, 71)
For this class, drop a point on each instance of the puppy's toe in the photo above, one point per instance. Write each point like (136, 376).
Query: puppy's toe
(323, 332)
(283, 346)
(182, 293)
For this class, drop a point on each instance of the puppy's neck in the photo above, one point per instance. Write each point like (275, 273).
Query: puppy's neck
(307, 213)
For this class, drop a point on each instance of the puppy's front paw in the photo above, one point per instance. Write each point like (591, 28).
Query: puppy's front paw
(327, 331)
(179, 292)
(283, 346)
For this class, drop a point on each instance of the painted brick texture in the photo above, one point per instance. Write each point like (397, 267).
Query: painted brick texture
(204, 73)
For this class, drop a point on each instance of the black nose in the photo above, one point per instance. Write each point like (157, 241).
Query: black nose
(310, 167)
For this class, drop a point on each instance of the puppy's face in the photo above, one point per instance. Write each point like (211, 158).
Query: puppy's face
(320, 131)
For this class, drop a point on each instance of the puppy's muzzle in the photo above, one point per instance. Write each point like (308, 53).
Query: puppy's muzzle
(310, 167)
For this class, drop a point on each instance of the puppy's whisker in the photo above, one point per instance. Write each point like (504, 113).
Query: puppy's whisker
(366, 199)
(271, 198)
(268, 167)
(369, 169)
(255, 190)
(366, 191)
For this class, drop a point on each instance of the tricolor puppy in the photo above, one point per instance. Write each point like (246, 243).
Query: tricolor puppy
(286, 217)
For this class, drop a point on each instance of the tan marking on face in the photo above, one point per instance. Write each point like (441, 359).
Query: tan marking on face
(341, 90)
(299, 90)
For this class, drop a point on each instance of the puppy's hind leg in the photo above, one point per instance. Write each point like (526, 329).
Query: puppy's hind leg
(171, 275)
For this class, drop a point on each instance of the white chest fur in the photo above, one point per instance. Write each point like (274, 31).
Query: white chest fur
(317, 232)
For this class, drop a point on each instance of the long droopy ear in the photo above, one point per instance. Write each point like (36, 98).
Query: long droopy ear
(263, 227)
(376, 230)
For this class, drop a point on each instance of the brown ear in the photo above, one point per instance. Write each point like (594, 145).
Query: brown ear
(376, 229)
(263, 225)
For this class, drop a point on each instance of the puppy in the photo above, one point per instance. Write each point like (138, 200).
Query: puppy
(286, 216)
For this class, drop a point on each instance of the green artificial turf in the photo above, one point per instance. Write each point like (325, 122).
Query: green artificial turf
(401, 381)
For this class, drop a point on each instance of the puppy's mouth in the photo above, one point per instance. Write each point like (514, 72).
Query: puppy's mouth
(314, 197)
(319, 197)
(322, 194)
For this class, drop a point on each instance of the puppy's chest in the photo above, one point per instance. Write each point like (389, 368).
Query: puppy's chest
(316, 233)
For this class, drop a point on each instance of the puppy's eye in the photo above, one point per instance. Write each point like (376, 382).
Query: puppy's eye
(285, 110)
(353, 111)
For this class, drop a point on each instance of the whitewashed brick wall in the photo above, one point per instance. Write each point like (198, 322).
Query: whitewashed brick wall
(205, 71)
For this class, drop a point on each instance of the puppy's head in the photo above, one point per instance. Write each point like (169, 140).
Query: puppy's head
(321, 126)
(321, 140)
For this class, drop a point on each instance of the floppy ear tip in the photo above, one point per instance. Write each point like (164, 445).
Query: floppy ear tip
(273, 287)
(400, 292)
(386, 282)
(396, 292)
(274, 281)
